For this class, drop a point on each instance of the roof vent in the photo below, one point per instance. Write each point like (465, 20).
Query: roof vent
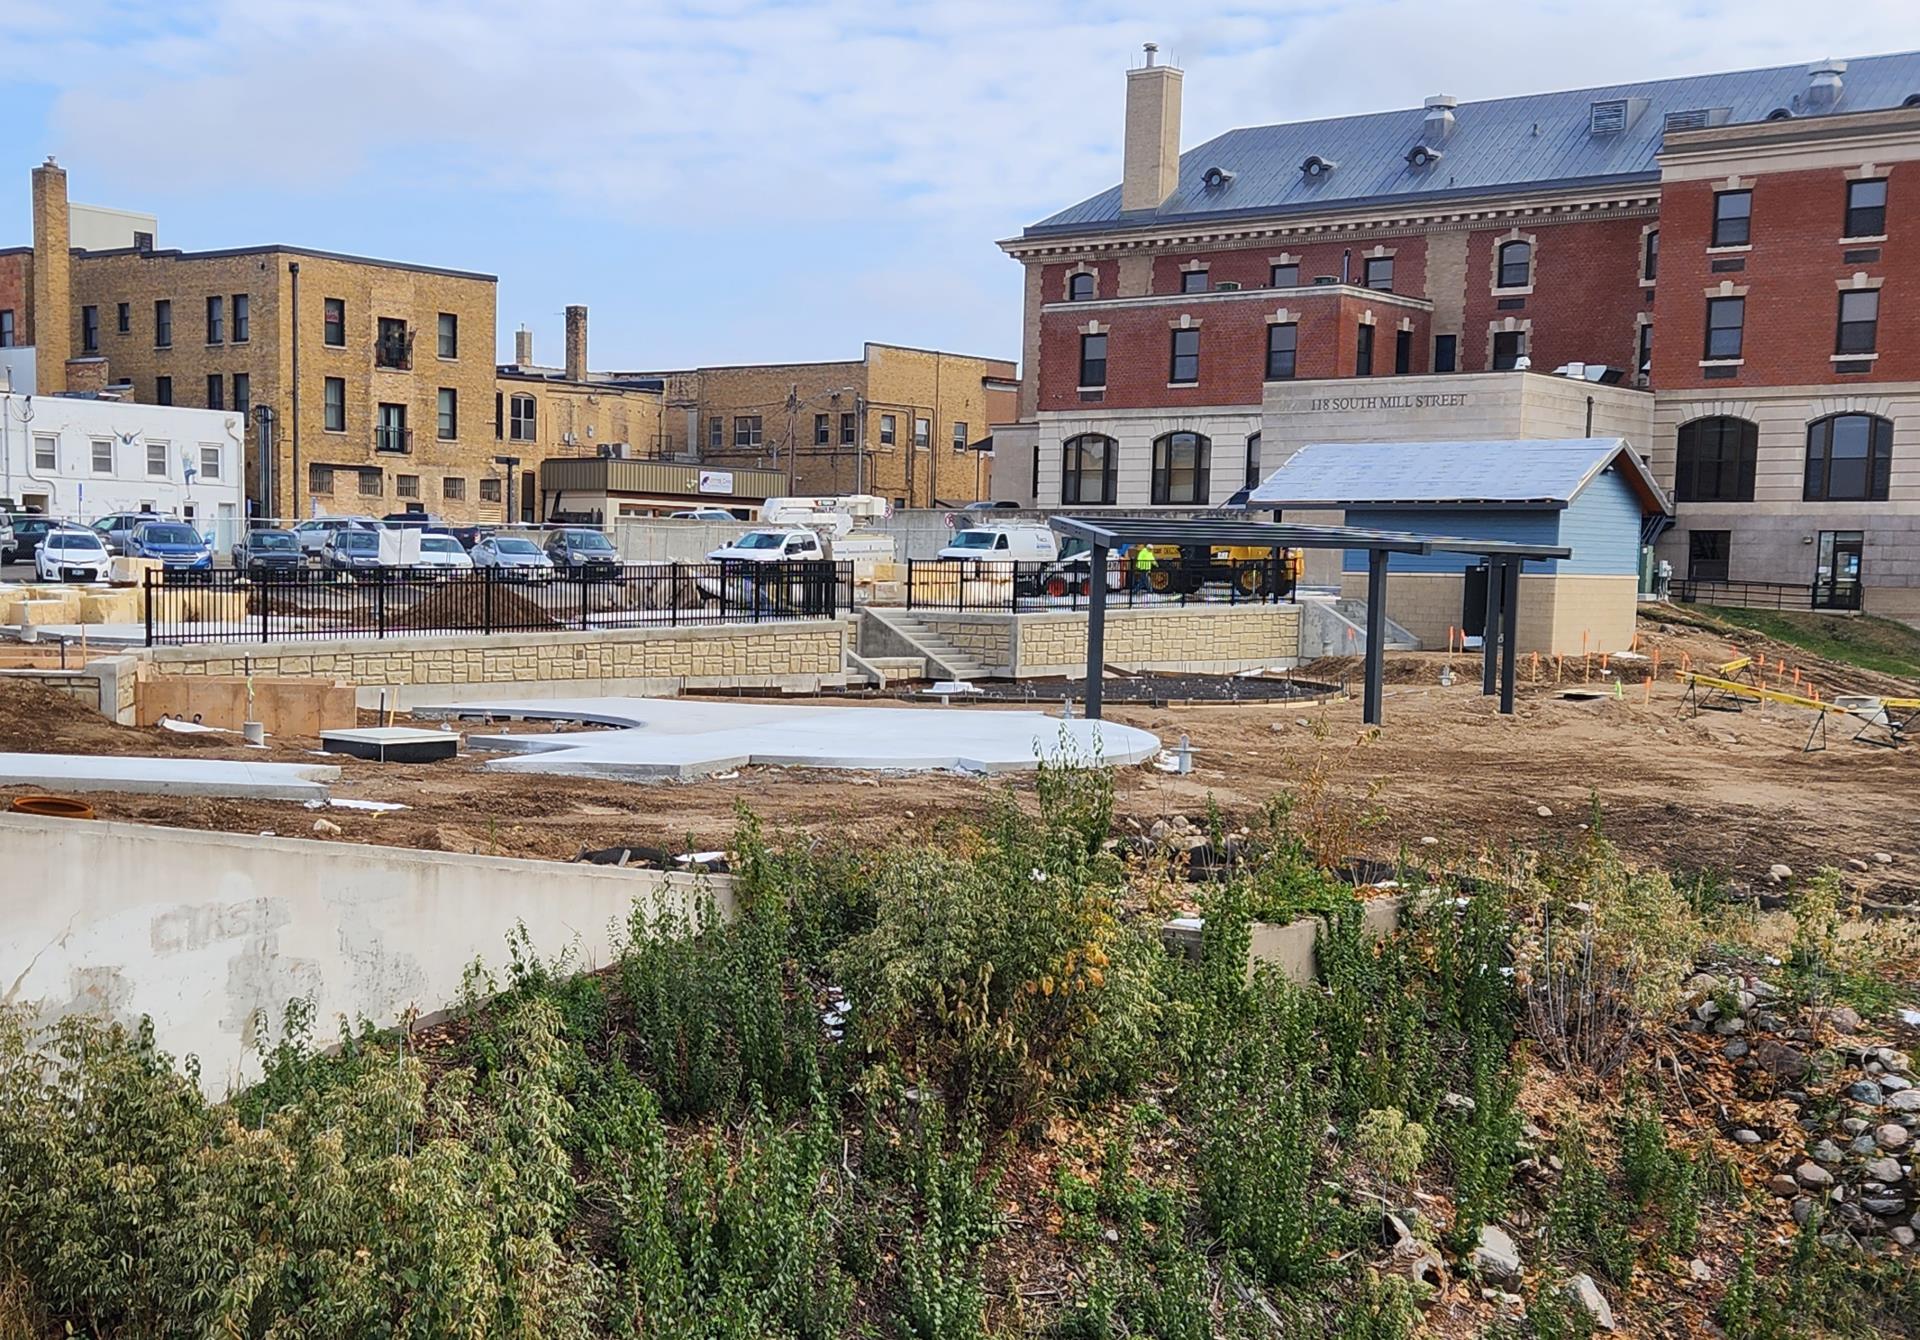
(1698, 118)
(1824, 84)
(1614, 115)
(1420, 156)
(1317, 167)
(1216, 178)
(1439, 118)
(1780, 114)
(1911, 100)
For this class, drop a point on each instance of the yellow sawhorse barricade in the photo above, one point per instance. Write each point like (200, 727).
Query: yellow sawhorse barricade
(1886, 722)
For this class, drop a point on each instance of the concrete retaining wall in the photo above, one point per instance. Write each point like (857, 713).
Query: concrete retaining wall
(1556, 610)
(1186, 639)
(202, 931)
(105, 684)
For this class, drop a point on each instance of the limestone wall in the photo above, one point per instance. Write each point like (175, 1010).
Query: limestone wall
(1190, 639)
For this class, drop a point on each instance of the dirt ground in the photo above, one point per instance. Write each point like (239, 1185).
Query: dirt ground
(1727, 791)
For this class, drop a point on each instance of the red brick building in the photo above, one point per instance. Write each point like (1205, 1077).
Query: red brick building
(1189, 328)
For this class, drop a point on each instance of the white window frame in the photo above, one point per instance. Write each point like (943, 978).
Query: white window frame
(98, 443)
(210, 455)
(157, 453)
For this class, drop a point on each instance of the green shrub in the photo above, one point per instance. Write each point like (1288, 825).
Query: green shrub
(1584, 1219)
(943, 1229)
(1482, 1143)
(1381, 1308)
(1391, 1144)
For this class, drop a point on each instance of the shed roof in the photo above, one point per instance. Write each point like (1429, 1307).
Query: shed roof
(1118, 531)
(1534, 141)
(1508, 473)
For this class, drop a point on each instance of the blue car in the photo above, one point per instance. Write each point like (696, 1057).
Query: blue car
(177, 545)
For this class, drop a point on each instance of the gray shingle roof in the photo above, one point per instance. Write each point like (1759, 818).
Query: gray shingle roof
(1548, 472)
(1540, 139)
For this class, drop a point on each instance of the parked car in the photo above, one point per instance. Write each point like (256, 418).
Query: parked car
(513, 558)
(178, 546)
(6, 538)
(443, 553)
(703, 514)
(116, 528)
(352, 549)
(984, 505)
(1004, 544)
(583, 552)
(269, 552)
(28, 530)
(771, 546)
(416, 520)
(72, 554)
(314, 534)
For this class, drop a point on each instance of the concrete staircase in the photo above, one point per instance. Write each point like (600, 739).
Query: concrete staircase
(886, 633)
(1338, 627)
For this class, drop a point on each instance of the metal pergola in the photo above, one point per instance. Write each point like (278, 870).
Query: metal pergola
(1503, 557)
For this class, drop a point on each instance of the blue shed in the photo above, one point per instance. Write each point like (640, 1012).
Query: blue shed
(1593, 495)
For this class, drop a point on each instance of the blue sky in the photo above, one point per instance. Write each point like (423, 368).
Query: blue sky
(752, 180)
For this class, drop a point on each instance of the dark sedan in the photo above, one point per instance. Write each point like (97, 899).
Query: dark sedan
(269, 552)
(28, 531)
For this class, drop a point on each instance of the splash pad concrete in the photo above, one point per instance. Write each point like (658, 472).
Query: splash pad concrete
(680, 739)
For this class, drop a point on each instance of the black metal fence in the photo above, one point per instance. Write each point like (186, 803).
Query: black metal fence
(226, 605)
(971, 584)
(1767, 595)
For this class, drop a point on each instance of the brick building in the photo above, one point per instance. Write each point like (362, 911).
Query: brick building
(1753, 219)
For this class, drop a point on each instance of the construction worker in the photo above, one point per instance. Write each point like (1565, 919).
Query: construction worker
(1143, 561)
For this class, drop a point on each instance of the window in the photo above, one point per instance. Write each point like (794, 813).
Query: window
(7, 330)
(1732, 218)
(922, 432)
(46, 452)
(163, 390)
(1081, 288)
(1180, 469)
(447, 415)
(1866, 208)
(1516, 265)
(1087, 469)
(320, 480)
(243, 395)
(216, 391)
(163, 324)
(1708, 552)
(372, 483)
(1363, 352)
(1284, 276)
(1643, 356)
(490, 490)
(1093, 361)
(746, 430)
(103, 455)
(453, 489)
(960, 441)
(1849, 457)
(1402, 352)
(1726, 323)
(1650, 256)
(447, 336)
(1193, 281)
(716, 433)
(1446, 353)
(1509, 347)
(157, 459)
(143, 241)
(1714, 460)
(887, 429)
(1185, 363)
(1859, 321)
(209, 462)
(216, 320)
(392, 344)
(333, 322)
(522, 419)
(848, 429)
(390, 430)
(406, 486)
(242, 318)
(822, 430)
(123, 317)
(89, 330)
(1379, 273)
(1253, 461)
(1283, 344)
(334, 397)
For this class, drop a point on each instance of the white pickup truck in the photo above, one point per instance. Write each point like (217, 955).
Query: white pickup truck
(771, 546)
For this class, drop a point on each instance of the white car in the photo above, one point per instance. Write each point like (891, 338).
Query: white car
(513, 557)
(703, 514)
(69, 554)
(443, 553)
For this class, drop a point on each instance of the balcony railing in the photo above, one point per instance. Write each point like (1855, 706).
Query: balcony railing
(396, 440)
(394, 351)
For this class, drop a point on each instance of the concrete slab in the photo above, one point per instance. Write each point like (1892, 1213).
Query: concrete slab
(62, 773)
(392, 744)
(680, 739)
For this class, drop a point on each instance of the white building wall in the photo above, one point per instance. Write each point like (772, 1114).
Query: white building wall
(99, 228)
(81, 459)
(1228, 428)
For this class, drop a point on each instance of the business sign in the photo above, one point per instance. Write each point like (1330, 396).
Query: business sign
(1366, 404)
(716, 481)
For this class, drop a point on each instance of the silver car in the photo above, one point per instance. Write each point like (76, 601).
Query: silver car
(513, 558)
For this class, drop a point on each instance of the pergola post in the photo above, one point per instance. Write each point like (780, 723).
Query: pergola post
(1370, 706)
(1490, 629)
(1096, 626)
(1509, 629)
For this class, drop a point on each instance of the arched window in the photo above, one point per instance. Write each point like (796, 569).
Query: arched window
(1516, 265)
(1080, 287)
(1253, 461)
(1849, 457)
(1180, 469)
(1715, 459)
(1087, 469)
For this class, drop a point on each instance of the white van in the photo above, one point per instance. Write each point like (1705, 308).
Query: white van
(1005, 544)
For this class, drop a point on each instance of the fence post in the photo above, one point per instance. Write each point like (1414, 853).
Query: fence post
(265, 591)
(910, 563)
(380, 603)
(149, 595)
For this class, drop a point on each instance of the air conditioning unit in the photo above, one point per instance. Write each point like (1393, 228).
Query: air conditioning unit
(611, 451)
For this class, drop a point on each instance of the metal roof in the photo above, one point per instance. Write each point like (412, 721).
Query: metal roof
(1536, 140)
(1548, 472)
(1113, 532)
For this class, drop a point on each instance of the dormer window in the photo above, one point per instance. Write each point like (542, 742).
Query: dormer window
(1080, 287)
(1316, 167)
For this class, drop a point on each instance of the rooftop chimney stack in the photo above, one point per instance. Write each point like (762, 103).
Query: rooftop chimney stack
(1152, 154)
(1439, 120)
(523, 347)
(576, 344)
(1824, 84)
(49, 316)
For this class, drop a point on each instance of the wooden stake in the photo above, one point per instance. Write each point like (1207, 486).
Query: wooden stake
(1556, 668)
(1536, 667)
(1646, 689)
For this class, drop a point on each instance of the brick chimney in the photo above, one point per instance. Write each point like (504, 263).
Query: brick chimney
(576, 344)
(1152, 152)
(50, 315)
(523, 347)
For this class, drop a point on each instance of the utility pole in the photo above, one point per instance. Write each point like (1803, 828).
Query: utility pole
(293, 270)
(860, 444)
(933, 438)
(793, 412)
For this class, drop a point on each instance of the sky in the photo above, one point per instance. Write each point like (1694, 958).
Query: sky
(753, 180)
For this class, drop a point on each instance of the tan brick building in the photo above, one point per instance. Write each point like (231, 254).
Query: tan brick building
(898, 422)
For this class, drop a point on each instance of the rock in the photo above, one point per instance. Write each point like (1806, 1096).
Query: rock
(1826, 1151)
(1883, 858)
(1707, 1011)
(1698, 1269)
(1420, 1263)
(326, 828)
(1161, 831)
(1429, 841)
(1866, 1091)
(1813, 1177)
(1855, 1125)
(1782, 1061)
(1702, 984)
(1458, 1102)
(1394, 1230)
(1844, 1019)
(1855, 863)
(1496, 1258)
(1901, 1234)
(1544, 812)
(1778, 873)
(1734, 1049)
(1906, 1100)
(1863, 1147)
(1891, 1136)
(1743, 1136)
(1113, 1235)
(1582, 1290)
(1802, 1210)
(1884, 1206)
(1726, 1027)
(1783, 1186)
(1764, 990)
(1895, 1084)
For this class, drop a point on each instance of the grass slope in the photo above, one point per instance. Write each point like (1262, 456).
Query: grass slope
(1885, 645)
